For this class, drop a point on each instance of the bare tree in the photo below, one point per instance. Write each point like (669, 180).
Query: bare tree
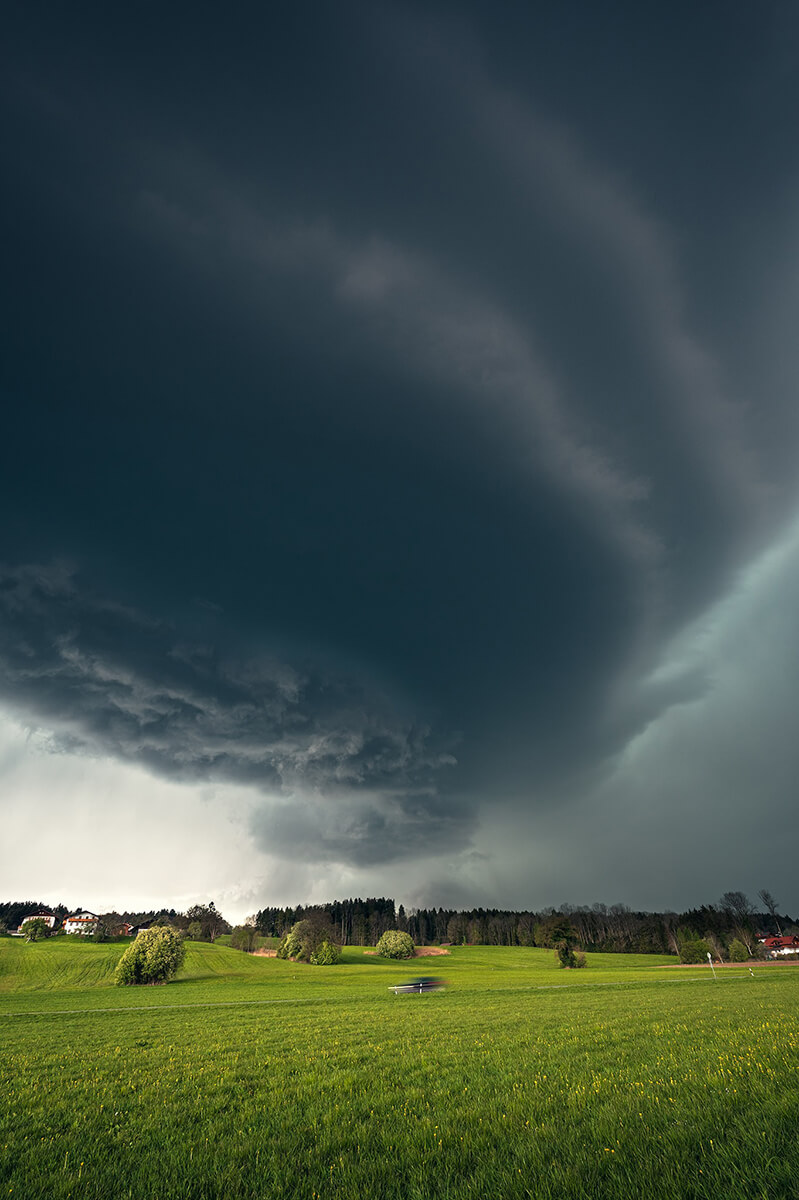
(740, 909)
(770, 904)
(670, 926)
(738, 905)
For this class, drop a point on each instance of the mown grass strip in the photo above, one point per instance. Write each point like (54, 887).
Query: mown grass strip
(536, 987)
(61, 1012)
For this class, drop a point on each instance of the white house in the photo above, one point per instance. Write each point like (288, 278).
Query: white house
(48, 918)
(83, 923)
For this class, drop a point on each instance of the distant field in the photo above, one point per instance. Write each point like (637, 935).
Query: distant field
(261, 942)
(250, 1077)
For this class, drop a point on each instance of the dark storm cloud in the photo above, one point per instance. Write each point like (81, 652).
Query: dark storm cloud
(669, 464)
(402, 337)
(112, 682)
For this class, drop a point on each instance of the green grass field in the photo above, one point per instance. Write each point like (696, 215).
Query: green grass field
(251, 1077)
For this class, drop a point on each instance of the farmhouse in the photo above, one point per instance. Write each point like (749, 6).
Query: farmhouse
(48, 919)
(83, 923)
(776, 946)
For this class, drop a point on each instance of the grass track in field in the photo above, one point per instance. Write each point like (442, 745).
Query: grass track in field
(502, 1086)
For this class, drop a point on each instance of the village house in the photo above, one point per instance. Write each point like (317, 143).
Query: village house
(48, 918)
(83, 923)
(776, 947)
(120, 928)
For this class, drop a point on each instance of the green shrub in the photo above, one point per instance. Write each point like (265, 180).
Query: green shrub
(291, 944)
(693, 949)
(156, 955)
(395, 944)
(305, 941)
(35, 929)
(244, 938)
(327, 954)
(565, 955)
(560, 934)
(738, 951)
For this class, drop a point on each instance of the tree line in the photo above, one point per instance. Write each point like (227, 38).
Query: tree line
(614, 928)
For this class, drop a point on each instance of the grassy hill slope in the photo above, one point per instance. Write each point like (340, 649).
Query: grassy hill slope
(66, 964)
(58, 964)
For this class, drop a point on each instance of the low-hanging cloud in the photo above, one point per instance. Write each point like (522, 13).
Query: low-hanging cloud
(110, 681)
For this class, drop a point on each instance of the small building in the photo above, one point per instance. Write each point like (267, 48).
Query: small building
(83, 923)
(777, 947)
(48, 918)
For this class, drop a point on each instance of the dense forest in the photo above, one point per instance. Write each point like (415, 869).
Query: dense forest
(612, 928)
(598, 927)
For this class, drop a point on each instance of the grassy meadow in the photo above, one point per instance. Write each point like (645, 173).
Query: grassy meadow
(251, 1077)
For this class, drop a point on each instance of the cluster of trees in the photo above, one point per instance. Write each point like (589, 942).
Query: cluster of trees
(729, 928)
(311, 940)
(245, 937)
(355, 922)
(201, 922)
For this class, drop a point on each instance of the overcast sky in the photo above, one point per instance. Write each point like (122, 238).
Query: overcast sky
(399, 459)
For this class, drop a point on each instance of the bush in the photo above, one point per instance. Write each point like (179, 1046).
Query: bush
(290, 945)
(35, 929)
(395, 944)
(244, 937)
(580, 960)
(305, 941)
(738, 951)
(156, 955)
(561, 935)
(693, 949)
(565, 955)
(326, 955)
